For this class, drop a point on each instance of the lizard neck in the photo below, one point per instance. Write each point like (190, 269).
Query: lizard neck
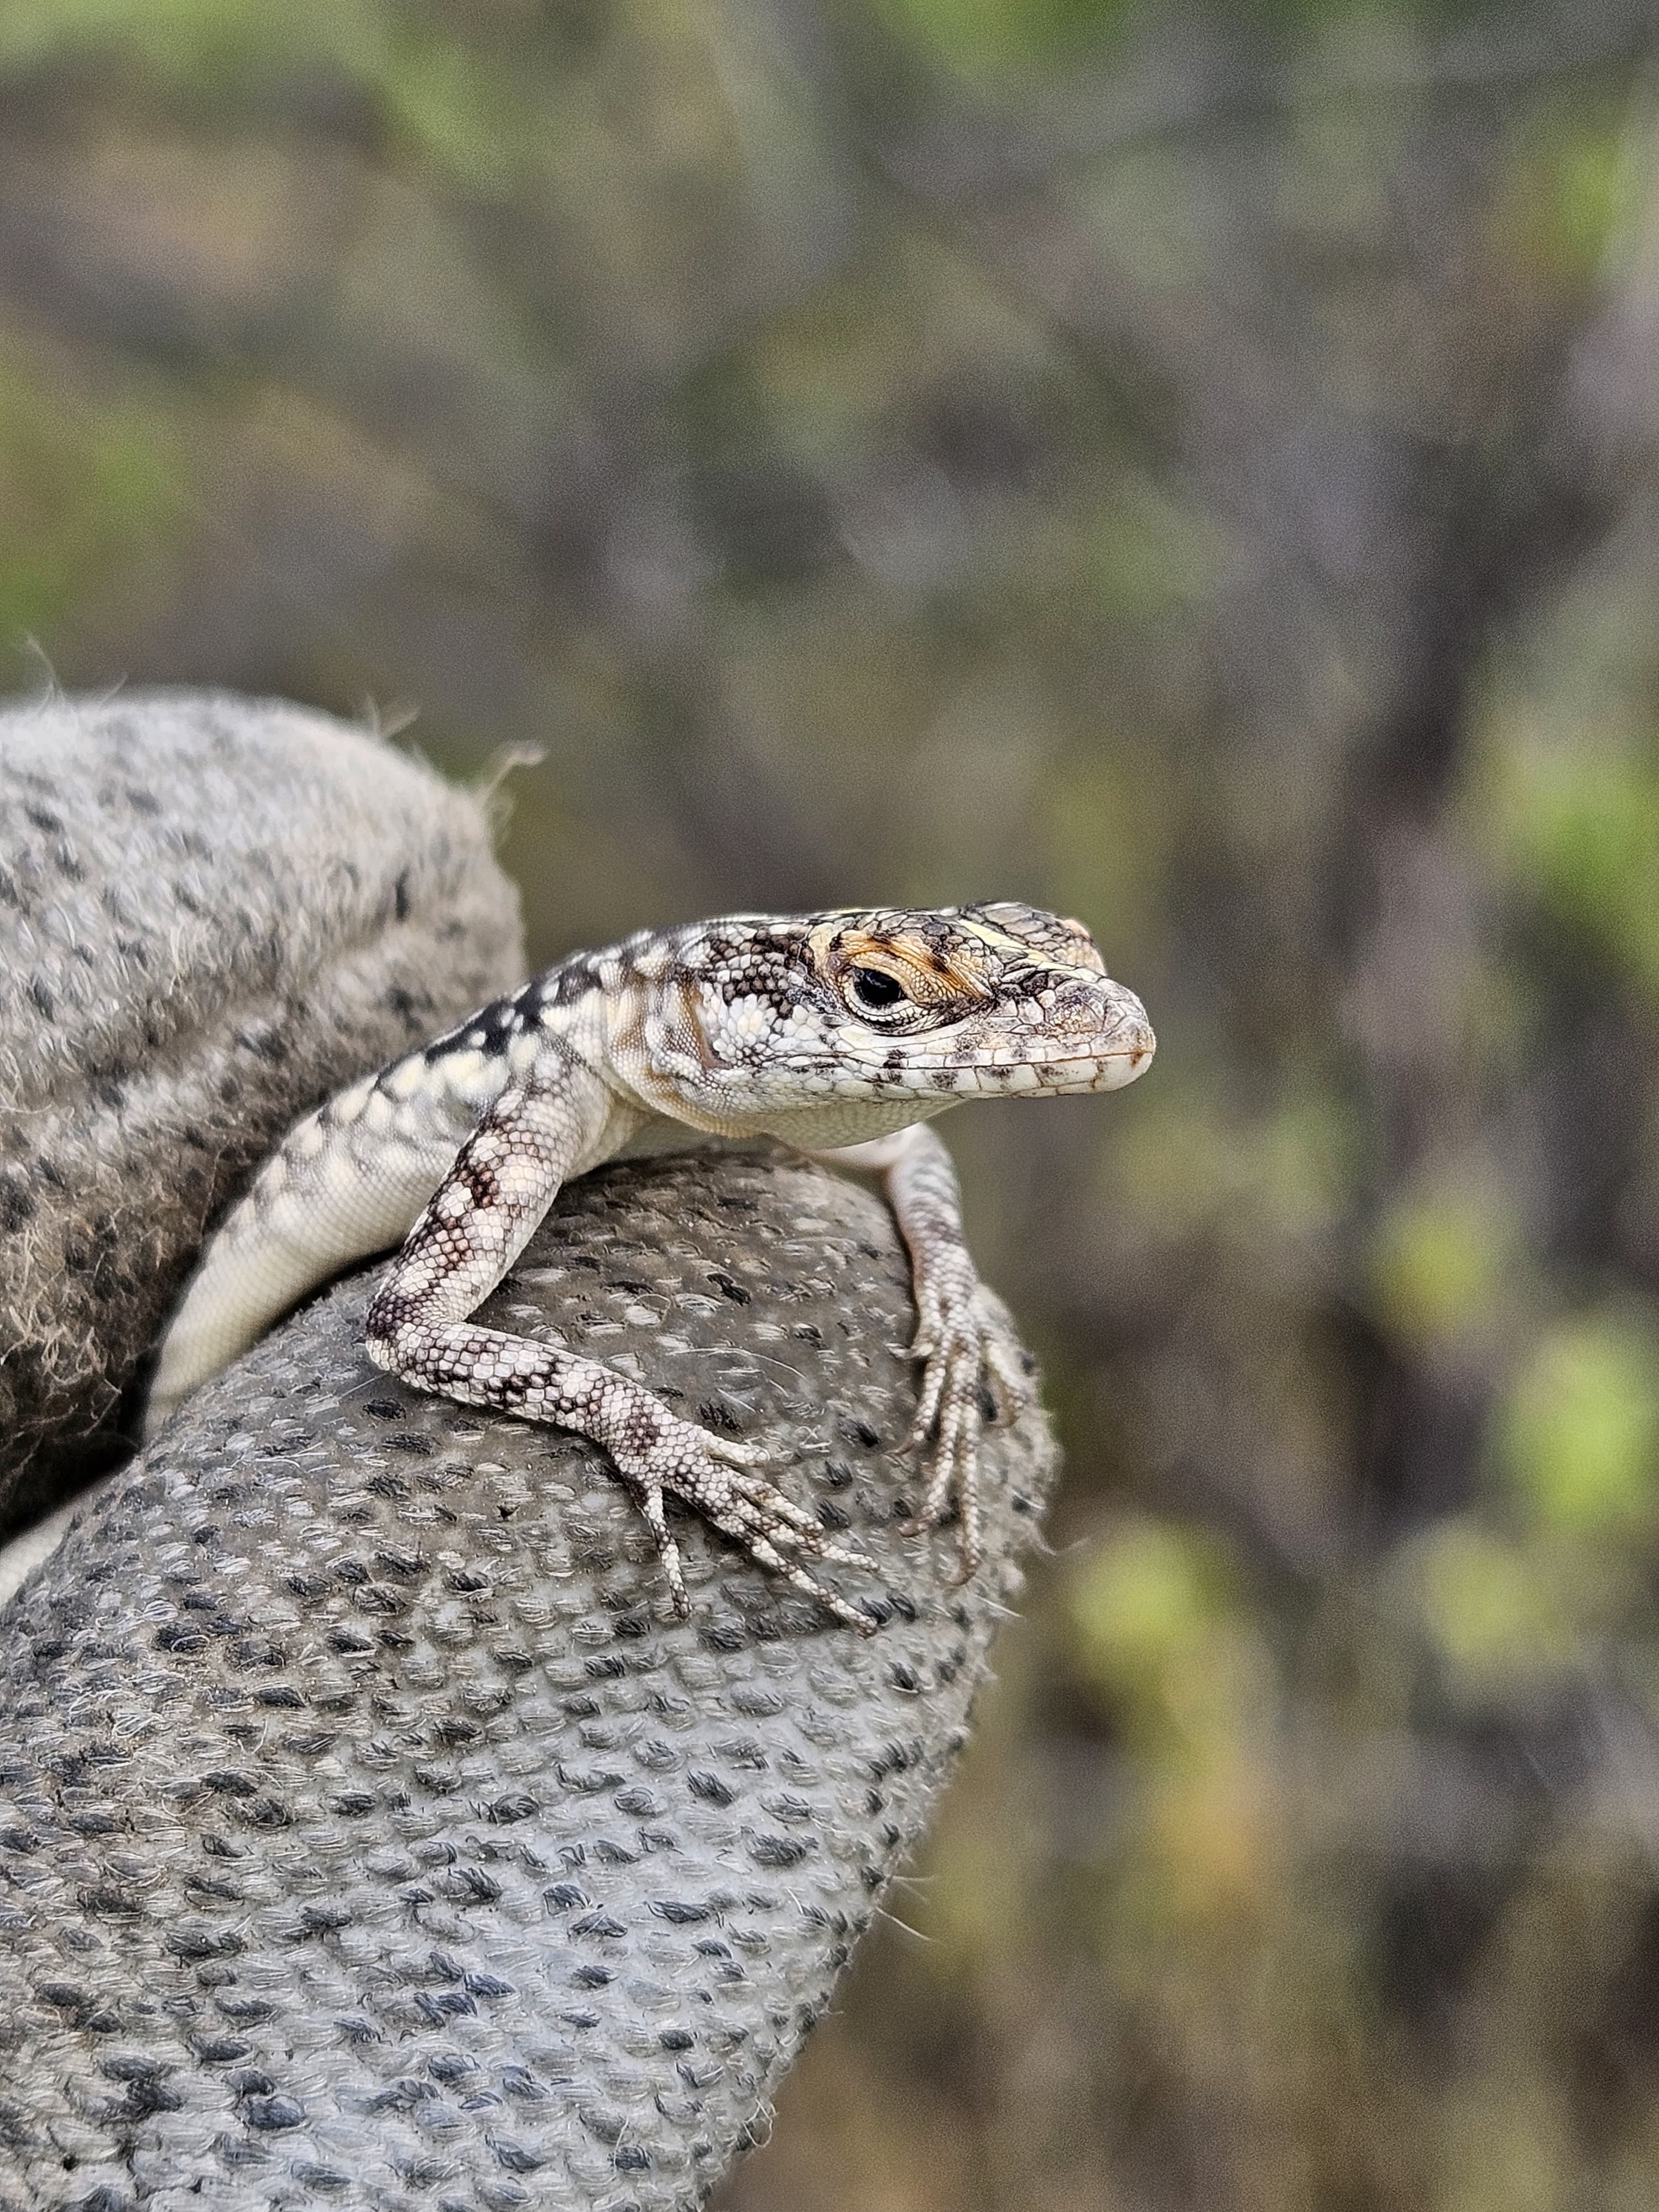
(656, 1049)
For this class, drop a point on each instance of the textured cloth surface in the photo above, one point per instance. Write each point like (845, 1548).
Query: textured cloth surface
(371, 1834)
(213, 911)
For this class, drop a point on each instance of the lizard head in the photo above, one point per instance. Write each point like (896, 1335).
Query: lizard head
(866, 1019)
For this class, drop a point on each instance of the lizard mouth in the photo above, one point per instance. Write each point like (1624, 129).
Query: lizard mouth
(1112, 1069)
(1136, 1051)
(1131, 1055)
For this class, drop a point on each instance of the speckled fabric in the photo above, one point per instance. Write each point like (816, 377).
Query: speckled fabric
(371, 1832)
(213, 911)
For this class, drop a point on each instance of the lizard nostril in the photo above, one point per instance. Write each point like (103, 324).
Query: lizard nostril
(1126, 1025)
(1128, 1033)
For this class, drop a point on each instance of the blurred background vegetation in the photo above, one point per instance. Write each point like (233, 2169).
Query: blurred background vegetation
(1193, 466)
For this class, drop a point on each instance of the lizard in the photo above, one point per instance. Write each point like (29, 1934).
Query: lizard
(841, 1034)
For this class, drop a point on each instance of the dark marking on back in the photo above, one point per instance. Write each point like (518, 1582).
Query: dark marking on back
(488, 1032)
(564, 985)
(495, 1025)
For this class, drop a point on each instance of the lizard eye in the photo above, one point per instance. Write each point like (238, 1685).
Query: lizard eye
(874, 989)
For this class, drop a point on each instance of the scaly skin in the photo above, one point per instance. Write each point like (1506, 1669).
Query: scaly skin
(841, 1034)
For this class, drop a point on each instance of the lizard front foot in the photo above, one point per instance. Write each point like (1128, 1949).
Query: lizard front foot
(966, 1352)
(657, 1454)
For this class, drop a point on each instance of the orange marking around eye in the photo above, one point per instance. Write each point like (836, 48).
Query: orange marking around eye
(926, 973)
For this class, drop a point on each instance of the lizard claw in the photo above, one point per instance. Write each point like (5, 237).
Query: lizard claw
(1010, 1385)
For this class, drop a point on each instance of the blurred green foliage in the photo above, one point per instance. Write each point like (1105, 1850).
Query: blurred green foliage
(1578, 1431)
(979, 35)
(1192, 467)
(87, 494)
(983, 36)
(1584, 818)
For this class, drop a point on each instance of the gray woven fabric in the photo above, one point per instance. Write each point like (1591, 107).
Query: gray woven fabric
(370, 1832)
(213, 911)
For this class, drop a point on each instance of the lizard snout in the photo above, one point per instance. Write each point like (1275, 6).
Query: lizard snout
(1131, 1035)
(1120, 1035)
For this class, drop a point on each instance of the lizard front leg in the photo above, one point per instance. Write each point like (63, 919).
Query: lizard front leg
(956, 1338)
(479, 1222)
